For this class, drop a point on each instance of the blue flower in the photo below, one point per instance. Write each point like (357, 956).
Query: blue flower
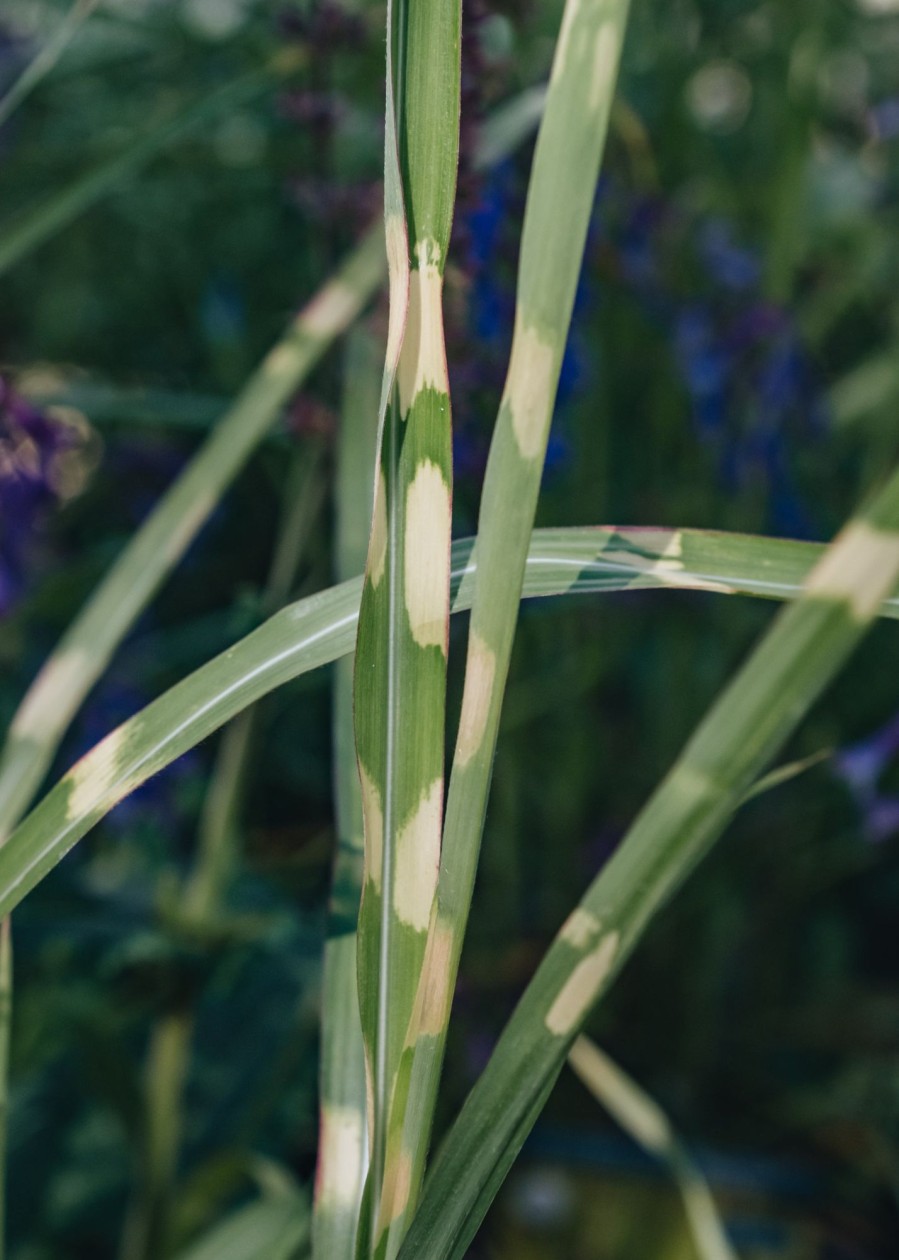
(732, 266)
(860, 766)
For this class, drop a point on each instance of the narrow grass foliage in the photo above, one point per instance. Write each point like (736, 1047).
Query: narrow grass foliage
(322, 628)
(407, 848)
(568, 152)
(400, 678)
(756, 713)
(343, 1124)
(643, 1119)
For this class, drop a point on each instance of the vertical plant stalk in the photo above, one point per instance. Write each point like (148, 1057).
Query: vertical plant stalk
(400, 674)
(559, 203)
(644, 1120)
(146, 1233)
(758, 710)
(343, 1139)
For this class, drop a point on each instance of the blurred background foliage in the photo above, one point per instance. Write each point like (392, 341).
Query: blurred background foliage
(734, 363)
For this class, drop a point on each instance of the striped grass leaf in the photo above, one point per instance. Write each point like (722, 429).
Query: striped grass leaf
(37, 224)
(400, 672)
(322, 628)
(70, 672)
(755, 714)
(643, 1119)
(68, 675)
(560, 200)
(343, 1140)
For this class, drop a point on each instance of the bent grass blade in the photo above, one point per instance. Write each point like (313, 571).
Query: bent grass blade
(322, 628)
(70, 672)
(755, 714)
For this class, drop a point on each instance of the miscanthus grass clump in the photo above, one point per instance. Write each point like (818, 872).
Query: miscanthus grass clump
(409, 839)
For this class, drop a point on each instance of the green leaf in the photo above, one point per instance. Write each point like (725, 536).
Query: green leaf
(343, 1140)
(400, 675)
(322, 628)
(755, 714)
(643, 1119)
(36, 225)
(57, 692)
(560, 202)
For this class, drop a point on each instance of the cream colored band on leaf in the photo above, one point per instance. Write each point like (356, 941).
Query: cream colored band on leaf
(341, 1152)
(860, 567)
(398, 284)
(479, 673)
(417, 860)
(426, 555)
(329, 312)
(373, 820)
(528, 392)
(58, 684)
(580, 928)
(582, 988)
(93, 778)
(423, 358)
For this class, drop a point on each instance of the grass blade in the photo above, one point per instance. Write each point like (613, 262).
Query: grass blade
(322, 628)
(560, 200)
(46, 58)
(36, 225)
(203, 895)
(400, 676)
(68, 675)
(343, 1140)
(57, 692)
(643, 1119)
(755, 714)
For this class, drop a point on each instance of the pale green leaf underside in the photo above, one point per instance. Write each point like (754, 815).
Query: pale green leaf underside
(321, 628)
